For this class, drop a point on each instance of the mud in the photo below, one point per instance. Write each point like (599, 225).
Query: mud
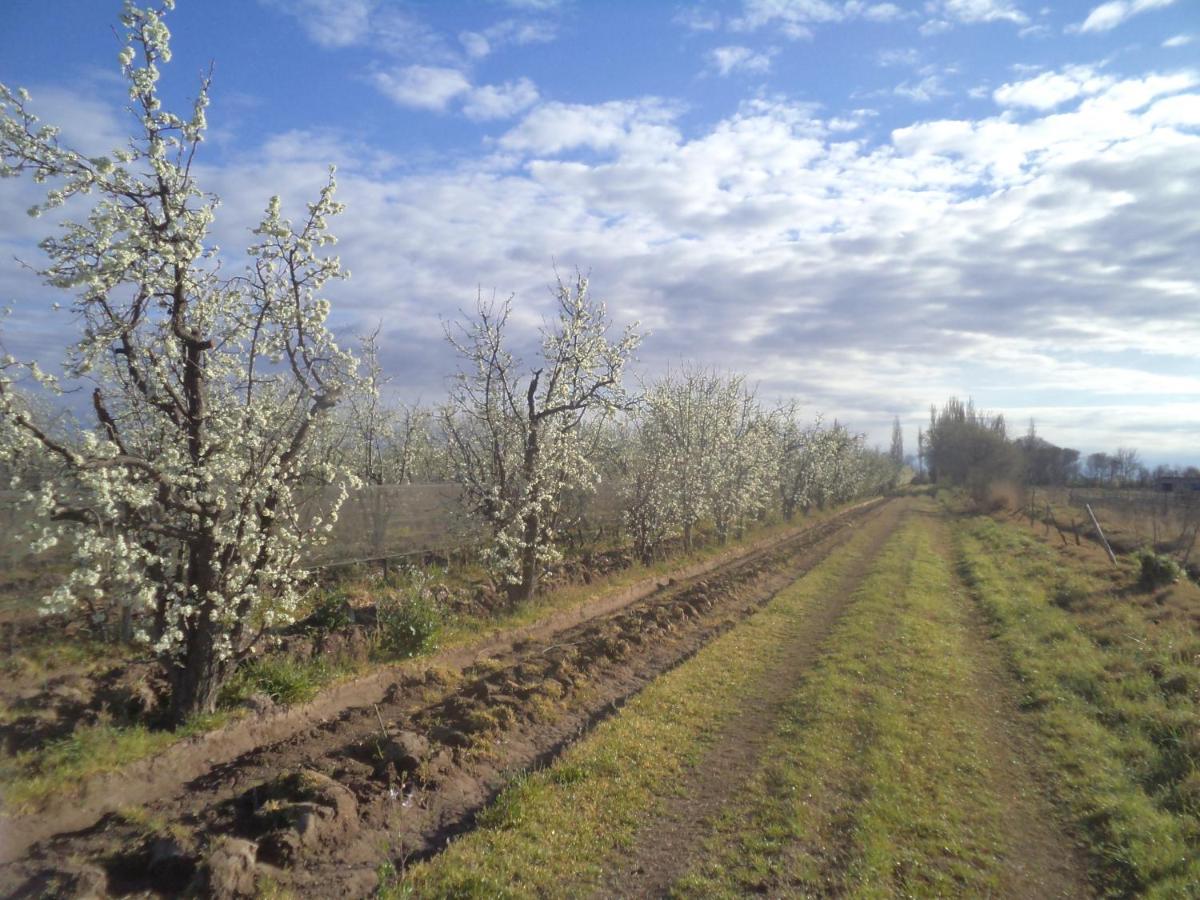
(395, 779)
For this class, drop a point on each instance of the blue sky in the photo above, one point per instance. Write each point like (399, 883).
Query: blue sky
(865, 205)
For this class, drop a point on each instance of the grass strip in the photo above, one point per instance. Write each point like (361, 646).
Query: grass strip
(877, 783)
(550, 832)
(1115, 696)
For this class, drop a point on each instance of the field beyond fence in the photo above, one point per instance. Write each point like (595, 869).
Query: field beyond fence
(1132, 519)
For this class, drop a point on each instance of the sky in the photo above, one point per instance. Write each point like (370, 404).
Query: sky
(868, 206)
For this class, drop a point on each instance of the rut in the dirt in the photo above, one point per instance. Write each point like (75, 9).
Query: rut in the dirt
(320, 812)
(665, 846)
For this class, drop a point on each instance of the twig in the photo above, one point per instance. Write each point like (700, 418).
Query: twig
(379, 716)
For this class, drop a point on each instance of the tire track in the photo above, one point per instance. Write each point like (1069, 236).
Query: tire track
(667, 843)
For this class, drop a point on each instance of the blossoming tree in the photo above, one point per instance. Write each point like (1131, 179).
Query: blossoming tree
(515, 443)
(181, 500)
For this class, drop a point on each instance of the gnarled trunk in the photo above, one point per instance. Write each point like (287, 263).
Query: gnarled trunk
(197, 677)
(525, 589)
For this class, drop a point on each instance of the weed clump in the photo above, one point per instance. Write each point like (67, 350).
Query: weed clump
(1157, 570)
(1070, 593)
(332, 613)
(287, 681)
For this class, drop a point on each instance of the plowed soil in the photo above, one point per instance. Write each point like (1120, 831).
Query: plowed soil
(322, 810)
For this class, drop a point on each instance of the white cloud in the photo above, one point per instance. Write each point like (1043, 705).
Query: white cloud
(696, 18)
(1178, 40)
(904, 56)
(435, 88)
(850, 122)
(882, 12)
(556, 127)
(928, 88)
(794, 18)
(1109, 15)
(945, 13)
(479, 44)
(1051, 251)
(727, 60)
(500, 101)
(422, 87)
(330, 23)
(787, 13)
(976, 11)
(1051, 89)
(476, 44)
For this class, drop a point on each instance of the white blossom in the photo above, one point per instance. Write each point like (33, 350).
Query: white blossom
(182, 501)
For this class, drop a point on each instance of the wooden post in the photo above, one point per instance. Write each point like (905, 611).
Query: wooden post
(1054, 520)
(1100, 532)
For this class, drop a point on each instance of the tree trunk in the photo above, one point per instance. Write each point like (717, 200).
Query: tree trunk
(524, 590)
(687, 537)
(196, 673)
(196, 679)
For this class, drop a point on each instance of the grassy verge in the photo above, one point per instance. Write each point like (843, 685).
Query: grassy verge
(878, 782)
(551, 832)
(1113, 684)
(31, 777)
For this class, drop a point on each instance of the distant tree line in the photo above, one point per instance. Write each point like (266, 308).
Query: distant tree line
(968, 447)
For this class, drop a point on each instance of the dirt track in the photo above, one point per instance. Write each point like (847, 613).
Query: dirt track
(1040, 857)
(322, 809)
(666, 844)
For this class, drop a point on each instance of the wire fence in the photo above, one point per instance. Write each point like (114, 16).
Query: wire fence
(1166, 521)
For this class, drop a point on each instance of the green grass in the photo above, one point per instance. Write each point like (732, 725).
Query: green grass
(286, 680)
(1115, 696)
(551, 832)
(42, 658)
(878, 782)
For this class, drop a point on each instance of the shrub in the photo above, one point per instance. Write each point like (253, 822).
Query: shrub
(332, 613)
(410, 618)
(1157, 570)
(1003, 495)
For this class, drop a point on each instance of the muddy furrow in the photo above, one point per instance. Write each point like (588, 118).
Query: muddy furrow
(320, 811)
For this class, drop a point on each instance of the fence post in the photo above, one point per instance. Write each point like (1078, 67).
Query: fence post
(1100, 532)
